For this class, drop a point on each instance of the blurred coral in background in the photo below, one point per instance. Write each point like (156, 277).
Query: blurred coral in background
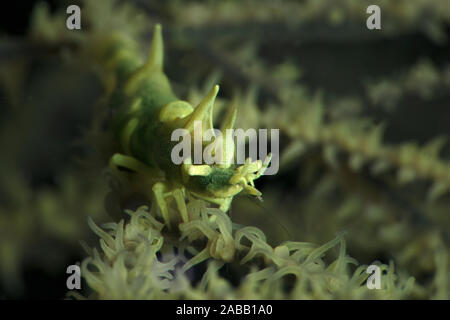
(364, 160)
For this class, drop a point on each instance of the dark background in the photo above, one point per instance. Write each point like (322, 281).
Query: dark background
(339, 74)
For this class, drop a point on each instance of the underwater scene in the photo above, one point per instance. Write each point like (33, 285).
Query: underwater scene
(225, 150)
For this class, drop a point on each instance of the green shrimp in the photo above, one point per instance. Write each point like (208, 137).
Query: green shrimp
(145, 112)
